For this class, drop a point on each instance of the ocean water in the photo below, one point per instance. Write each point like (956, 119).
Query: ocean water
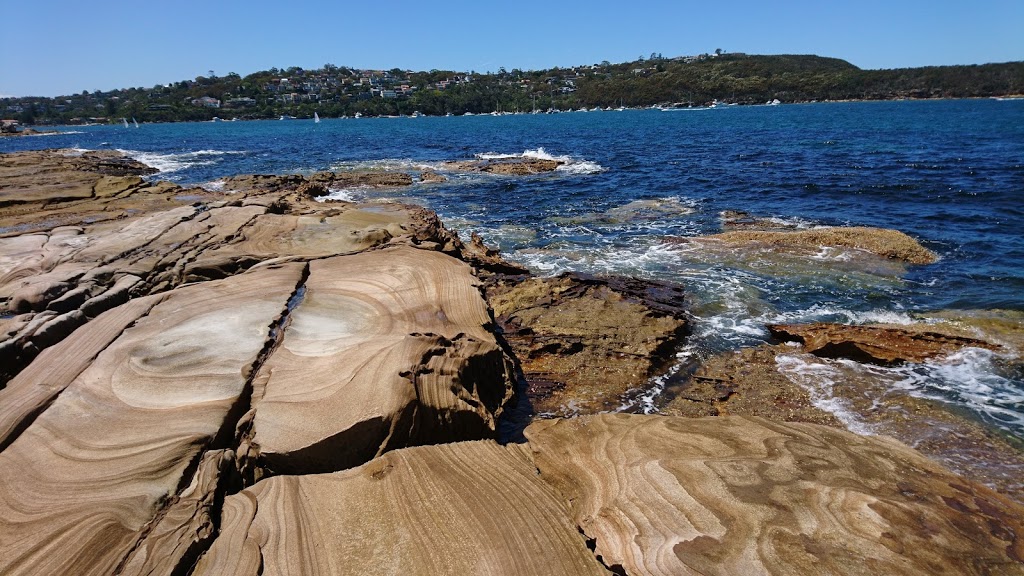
(637, 184)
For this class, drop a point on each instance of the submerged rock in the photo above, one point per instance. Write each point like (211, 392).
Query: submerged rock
(880, 241)
(877, 344)
(432, 177)
(583, 342)
(739, 220)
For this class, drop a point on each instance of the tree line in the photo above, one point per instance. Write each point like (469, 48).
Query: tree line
(730, 78)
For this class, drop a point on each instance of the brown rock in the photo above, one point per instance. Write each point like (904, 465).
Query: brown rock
(81, 485)
(734, 495)
(882, 242)
(432, 177)
(454, 509)
(781, 384)
(486, 258)
(373, 179)
(740, 220)
(506, 166)
(187, 527)
(583, 342)
(312, 189)
(520, 167)
(745, 383)
(876, 344)
(387, 349)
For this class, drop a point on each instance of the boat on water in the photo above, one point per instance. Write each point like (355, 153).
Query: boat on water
(134, 121)
(125, 122)
(286, 117)
(774, 102)
(316, 118)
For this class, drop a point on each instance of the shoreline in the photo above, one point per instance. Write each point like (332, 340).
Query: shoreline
(1009, 97)
(261, 344)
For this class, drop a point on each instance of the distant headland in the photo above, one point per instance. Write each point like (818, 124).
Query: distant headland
(339, 91)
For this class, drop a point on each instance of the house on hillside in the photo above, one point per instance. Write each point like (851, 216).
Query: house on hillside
(206, 102)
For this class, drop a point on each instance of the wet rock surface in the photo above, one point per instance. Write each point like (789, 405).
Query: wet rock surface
(876, 344)
(883, 242)
(583, 342)
(517, 166)
(249, 381)
(747, 383)
(783, 383)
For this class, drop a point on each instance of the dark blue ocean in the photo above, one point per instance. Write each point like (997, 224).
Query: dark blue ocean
(639, 182)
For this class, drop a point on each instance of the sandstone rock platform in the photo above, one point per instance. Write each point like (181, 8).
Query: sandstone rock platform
(250, 381)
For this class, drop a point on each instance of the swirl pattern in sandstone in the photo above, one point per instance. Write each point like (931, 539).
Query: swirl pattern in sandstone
(83, 483)
(455, 509)
(736, 495)
(387, 349)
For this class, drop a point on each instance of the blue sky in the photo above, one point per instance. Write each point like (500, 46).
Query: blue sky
(65, 46)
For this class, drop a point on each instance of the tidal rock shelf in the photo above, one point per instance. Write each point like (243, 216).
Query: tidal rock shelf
(254, 382)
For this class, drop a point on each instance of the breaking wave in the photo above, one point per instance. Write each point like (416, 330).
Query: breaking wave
(174, 162)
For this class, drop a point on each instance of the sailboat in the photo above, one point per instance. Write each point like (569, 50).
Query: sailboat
(136, 122)
(125, 121)
(316, 118)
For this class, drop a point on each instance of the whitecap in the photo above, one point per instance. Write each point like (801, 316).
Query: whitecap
(173, 162)
(569, 165)
(819, 380)
(353, 194)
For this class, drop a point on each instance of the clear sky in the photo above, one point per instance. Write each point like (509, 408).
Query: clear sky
(57, 47)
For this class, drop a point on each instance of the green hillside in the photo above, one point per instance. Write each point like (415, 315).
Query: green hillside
(692, 80)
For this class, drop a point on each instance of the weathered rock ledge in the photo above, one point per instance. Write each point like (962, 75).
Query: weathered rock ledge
(876, 344)
(886, 243)
(254, 382)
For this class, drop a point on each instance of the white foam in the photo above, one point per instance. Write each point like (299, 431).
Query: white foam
(819, 380)
(968, 377)
(826, 313)
(214, 186)
(353, 194)
(569, 165)
(173, 162)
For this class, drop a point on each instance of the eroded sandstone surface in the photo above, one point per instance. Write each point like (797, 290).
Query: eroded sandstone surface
(246, 380)
(731, 495)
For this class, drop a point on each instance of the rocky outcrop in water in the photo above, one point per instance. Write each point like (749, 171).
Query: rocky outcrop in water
(513, 166)
(886, 243)
(875, 344)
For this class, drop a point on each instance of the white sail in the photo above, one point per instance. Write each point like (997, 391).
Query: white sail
(125, 121)
(135, 121)
(316, 117)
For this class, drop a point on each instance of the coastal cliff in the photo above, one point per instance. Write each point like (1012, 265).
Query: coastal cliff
(250, 381)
